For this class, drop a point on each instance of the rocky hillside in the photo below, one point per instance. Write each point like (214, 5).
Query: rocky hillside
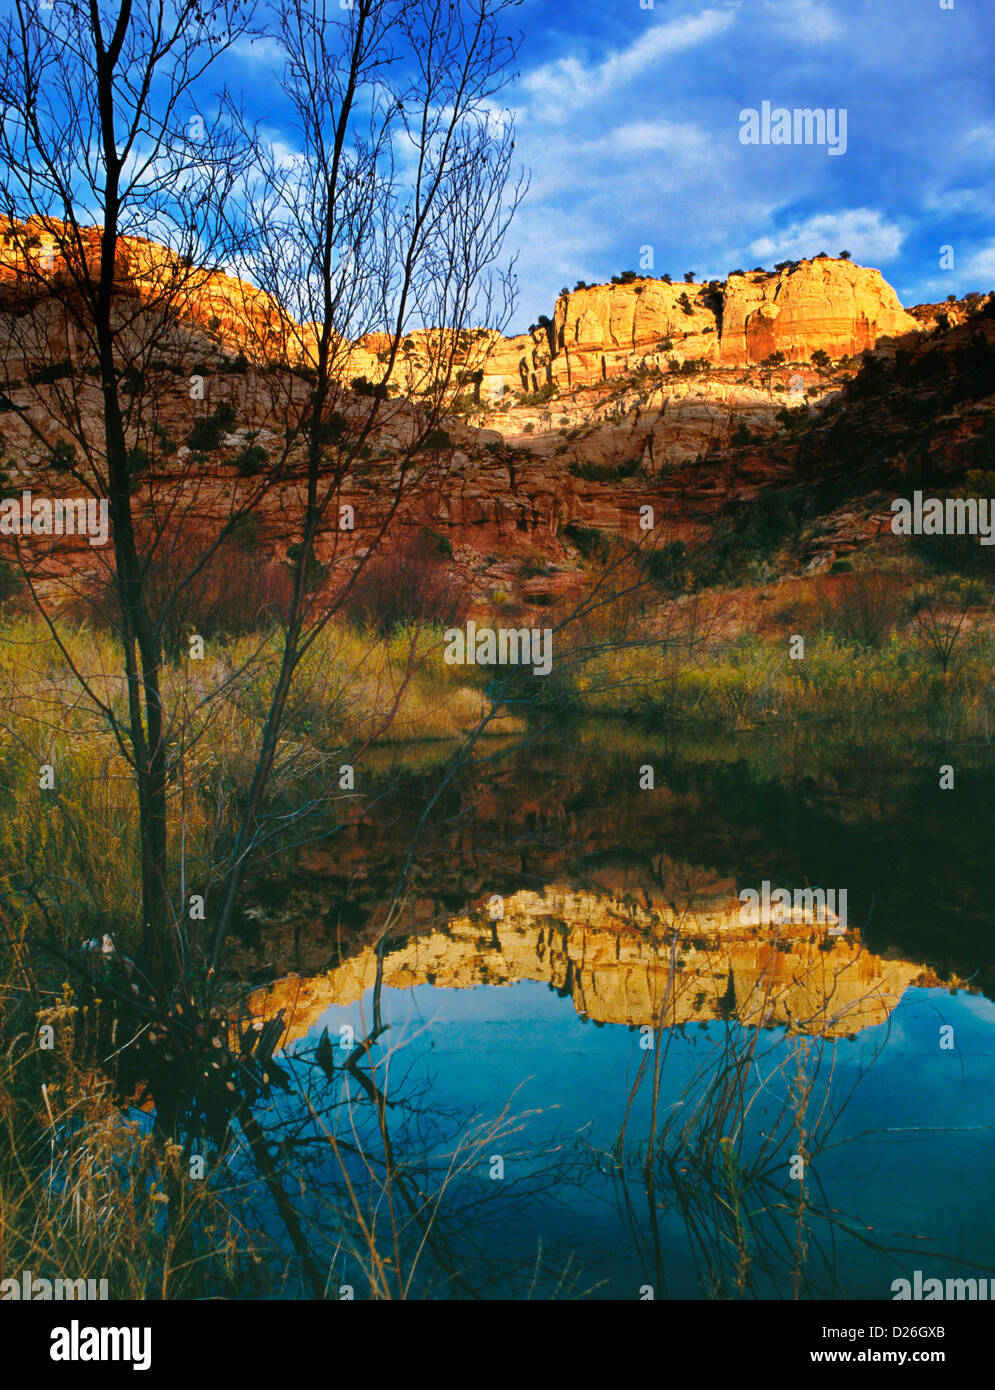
(602, 331)
(606, 330)
(596, 332)
(695, 399)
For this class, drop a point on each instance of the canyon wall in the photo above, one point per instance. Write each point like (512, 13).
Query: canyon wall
(615, 964)
(605, 330)
(596, 332)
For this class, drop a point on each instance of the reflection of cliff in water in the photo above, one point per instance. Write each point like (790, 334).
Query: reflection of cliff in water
(596, 874)
(626, 963)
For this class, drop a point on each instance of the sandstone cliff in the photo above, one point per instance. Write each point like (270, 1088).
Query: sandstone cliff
(596, 332)
(604, 330)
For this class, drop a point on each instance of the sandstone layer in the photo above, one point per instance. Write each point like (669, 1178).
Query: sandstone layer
(596, 332)
(601, 331)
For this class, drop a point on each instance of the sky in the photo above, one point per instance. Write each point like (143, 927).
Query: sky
(628, 121)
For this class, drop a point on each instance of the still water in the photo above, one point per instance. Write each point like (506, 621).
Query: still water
(592, 1078)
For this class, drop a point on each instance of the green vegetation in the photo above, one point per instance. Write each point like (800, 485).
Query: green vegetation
(209, 430)
(898, 681)
(547, 392)
(250, 460)
(604, 472)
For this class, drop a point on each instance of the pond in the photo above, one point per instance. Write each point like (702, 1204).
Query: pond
(590, 1072)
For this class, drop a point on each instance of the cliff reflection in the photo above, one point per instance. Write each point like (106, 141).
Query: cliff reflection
(623, 962)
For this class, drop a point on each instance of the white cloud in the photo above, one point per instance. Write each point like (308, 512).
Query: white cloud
(861, 231)
(983, 137)
(641, 137)
(558, 88)
(812, 21)
(980, 267)
(265, 51)
(957, 200)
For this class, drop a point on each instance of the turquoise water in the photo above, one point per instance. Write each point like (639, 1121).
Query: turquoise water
(912, 1155)
(822, 1143)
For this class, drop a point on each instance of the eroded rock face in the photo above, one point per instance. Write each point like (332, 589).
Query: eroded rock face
(596, 333)
(836, 306)
(599, 332)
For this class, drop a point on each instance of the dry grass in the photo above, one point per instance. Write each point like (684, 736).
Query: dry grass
(89, 1191)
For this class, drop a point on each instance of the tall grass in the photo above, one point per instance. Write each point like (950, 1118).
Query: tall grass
(87, 1189)
(68, 852)
(752, 680)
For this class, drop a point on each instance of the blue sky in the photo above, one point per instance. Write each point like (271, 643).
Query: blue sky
(628, 119)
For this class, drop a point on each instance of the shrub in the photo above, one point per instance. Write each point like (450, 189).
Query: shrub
(668, 566)
(167, 445)
(138, 461)
(971, 592)
(592, 543)
(865, 610)
(250, 460)
(314, 571)
(208, 430)
(233, 593)
(434, 540)
(53, 371)
(604, 472)
(63, 457)
(545, 393)
(754, 535)
(792, 417)
(362, 386)
(11, 582)
(245, 531)
(406, 584)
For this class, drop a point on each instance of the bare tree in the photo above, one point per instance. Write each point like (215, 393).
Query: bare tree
(390, 215)
(102, 139)
(349, 237)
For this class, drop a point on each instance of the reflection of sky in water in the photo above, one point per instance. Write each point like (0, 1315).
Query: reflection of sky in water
(921, 1176)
